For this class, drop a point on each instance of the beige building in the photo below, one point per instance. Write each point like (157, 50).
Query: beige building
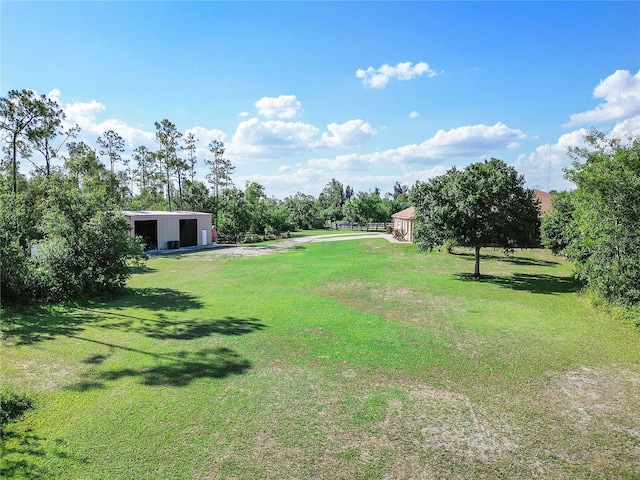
(170, 230)
(545, 201)
(403, 221)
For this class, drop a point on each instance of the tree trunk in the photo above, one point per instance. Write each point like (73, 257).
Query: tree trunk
(15, 167)
(476, 273)
(169, 188)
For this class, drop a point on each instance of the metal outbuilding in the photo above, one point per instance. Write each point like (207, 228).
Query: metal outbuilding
(170, 230)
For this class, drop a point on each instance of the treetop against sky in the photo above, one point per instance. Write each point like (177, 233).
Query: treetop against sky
(369, 93)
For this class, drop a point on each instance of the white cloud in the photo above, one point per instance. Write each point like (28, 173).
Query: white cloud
(542, 169)
(307, 180)
(621, 94)
(348, 134)
(243, 114)
(85, 114)
(379, 77)
(469, 141)
(463, 142)
(272, 138)
(628, 127)
(55, 95)
(414, 114)
(284, 106)
(203, 138)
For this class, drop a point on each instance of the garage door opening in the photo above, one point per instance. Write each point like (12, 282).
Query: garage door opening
(148, 230)
(188, 233)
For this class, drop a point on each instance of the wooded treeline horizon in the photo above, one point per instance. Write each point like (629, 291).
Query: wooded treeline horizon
(64, 209)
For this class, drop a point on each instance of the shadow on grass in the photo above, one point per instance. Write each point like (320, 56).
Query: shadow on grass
(24, 326)
(166, 299)
(512, 259)
(27, 326)
(163, 329)
(176, 369)
(545, 284)
(26, 455)
(140, 269)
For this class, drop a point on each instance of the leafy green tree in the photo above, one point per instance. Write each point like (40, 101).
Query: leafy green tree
(196, 196)
(483, 205)
(49, 137)
(112, 145)
(604, 234)
(366, 207)
(556, 230)
(234, 219)
(257, 208)
(332, 200)
(16, 231)
(220, 170)
(82, 245)
(190, 147)
(265, 214)
(148, 178)
(83, 164)
(168, 136)
(146, 167)
(398, 199)
(23, 117)
(85, 246)
(303, 211)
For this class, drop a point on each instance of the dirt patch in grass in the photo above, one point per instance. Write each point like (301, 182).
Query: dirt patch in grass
(392, 302)
(584, 423)
(601, 397)
(305, 424)
(309, 423)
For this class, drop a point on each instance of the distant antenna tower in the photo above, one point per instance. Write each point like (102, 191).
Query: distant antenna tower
(548, 169)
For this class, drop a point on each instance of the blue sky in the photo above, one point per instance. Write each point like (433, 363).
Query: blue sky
(369, 93)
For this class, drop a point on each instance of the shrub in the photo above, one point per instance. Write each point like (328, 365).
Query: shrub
(389, 229)
(12, 406)
(448, 245)
(399, 234)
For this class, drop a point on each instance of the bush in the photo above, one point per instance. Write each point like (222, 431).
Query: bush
(88, 263)
(12, 406)
(448, 245)
(389, 229)
(399, 234)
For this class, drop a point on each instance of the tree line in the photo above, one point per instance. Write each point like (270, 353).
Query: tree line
(61, 235)
(597, 225)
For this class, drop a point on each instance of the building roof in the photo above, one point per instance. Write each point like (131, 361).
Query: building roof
(407, 213)
(545, 200)
(161, 213)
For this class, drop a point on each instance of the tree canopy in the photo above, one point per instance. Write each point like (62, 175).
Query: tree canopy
(483, 205)
(597, 225)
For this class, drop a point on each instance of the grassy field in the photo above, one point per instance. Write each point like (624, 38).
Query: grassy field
(340, 360)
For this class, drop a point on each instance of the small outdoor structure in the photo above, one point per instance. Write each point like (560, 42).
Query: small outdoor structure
(170, 230)
(403, 221)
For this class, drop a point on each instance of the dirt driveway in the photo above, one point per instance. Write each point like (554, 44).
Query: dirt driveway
(288, 244)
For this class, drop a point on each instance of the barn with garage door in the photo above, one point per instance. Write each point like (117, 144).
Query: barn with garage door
(170, 230)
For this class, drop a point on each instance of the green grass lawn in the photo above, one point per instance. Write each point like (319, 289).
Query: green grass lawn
(341, 360)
